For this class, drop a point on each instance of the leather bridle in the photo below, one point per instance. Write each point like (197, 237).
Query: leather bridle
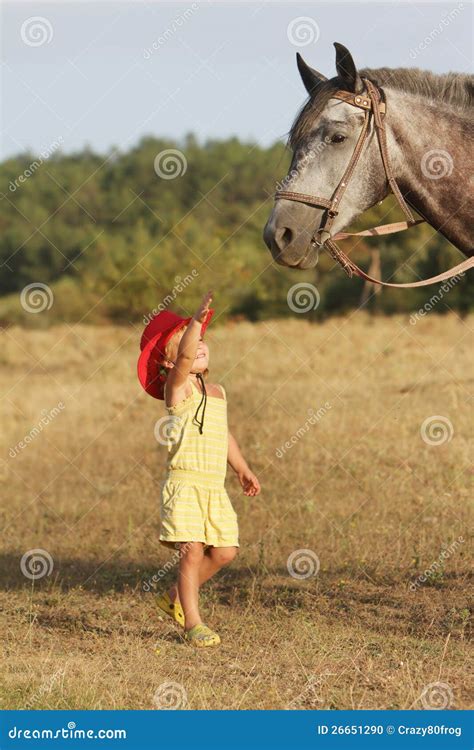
(374, 107)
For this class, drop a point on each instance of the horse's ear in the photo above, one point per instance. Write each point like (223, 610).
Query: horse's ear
(310, 77)
(347, 70)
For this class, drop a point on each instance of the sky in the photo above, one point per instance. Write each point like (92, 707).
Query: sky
(105, 74)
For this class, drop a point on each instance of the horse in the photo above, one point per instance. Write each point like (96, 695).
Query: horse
(366, 133)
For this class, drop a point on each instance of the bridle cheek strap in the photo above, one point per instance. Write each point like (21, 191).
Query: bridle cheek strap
(373, 106)
(331, 205)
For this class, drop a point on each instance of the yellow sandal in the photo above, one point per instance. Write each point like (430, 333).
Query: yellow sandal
(201, 636)
(173, 609)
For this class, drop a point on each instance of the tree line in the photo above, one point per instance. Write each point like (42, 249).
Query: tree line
(116, 236)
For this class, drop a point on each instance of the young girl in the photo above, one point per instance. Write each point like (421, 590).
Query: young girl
(196, 513)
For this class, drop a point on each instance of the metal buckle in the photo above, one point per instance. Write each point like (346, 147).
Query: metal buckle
(318, 237)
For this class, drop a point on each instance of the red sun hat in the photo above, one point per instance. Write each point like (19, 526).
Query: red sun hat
(156, 335)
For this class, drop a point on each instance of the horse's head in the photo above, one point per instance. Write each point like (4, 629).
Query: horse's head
(323, 138)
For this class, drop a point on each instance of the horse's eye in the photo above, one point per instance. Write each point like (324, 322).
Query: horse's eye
(338, 138)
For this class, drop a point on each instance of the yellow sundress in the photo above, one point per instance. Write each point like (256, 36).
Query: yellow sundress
(195, 506)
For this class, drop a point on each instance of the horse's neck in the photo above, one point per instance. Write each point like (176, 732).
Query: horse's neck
(429, 148)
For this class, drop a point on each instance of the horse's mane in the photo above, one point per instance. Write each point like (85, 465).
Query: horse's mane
(456, 90)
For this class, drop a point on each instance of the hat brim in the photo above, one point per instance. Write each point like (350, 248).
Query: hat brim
(151, 358)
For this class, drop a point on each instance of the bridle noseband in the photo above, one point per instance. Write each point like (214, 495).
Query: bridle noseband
(373, 104)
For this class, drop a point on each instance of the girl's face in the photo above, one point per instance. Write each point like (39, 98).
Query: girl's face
(201, 363)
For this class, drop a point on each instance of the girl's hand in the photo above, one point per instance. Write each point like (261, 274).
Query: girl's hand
(201, 313)
(249, 483)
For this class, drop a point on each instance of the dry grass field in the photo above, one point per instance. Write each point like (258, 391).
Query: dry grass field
(361, 487)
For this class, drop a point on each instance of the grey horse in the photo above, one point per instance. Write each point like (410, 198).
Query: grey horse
(429, 134)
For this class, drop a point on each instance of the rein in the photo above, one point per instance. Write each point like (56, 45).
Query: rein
(373, 105)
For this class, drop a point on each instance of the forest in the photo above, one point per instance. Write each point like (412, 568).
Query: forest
(116, 236)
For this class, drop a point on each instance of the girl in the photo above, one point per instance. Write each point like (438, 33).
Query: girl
(196, 513)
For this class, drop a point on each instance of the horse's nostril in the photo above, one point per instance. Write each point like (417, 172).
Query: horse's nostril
(287, 236)
(284, 237)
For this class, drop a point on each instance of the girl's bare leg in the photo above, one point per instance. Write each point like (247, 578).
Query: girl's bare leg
(188, 581)
(211, 561)
(214, 559)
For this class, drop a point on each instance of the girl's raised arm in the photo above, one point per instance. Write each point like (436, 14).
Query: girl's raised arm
(188, 347)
